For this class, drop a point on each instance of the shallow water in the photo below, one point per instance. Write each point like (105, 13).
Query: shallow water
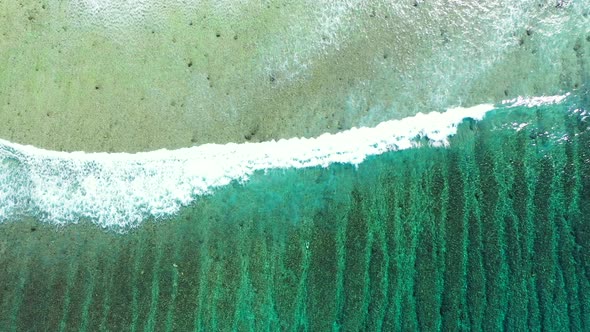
(474, 218)
(125, 76)
(490, 232)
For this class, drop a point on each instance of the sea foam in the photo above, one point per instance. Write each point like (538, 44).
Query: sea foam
(120, 190)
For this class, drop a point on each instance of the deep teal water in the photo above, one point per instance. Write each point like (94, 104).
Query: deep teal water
(490, 233)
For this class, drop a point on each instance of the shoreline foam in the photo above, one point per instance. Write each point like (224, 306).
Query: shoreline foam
(123, 189)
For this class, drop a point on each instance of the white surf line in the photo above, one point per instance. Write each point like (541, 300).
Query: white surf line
(119, 190)
(535, 101)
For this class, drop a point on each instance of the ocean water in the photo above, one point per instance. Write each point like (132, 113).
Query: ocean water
(378, 165)
(130, 76)
(428, 223)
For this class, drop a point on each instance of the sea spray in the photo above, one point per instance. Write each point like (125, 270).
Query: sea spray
(120, 189)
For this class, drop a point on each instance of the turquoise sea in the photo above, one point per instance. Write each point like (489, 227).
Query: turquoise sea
(331, 166)
(491, 232)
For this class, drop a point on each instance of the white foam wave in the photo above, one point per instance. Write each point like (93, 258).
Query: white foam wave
(120, 190)
(535, 101)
